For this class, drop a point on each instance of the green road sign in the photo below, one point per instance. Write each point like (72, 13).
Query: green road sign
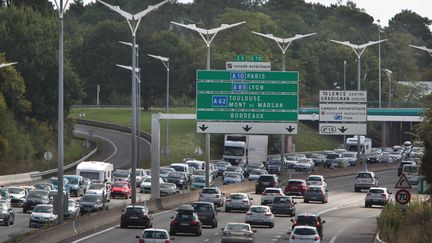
(247, 87)
(247, 76)
(256, 58)
(273, 116)
(240, 58)
(248, 101)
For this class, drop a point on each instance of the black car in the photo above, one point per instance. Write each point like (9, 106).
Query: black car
(136, 215)
(283, 205)
(186, 221)
(206, 212)
(309, 219)
(179, 178)
(7, 215)
(36, 197)
(265, 181)
(91, 203)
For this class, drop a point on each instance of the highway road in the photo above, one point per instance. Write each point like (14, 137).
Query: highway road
(347, 219)
(115, 148)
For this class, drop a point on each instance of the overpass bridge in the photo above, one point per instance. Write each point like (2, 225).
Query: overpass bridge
(396, 123)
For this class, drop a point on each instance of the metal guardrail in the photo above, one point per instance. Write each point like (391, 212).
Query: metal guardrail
(67, 167)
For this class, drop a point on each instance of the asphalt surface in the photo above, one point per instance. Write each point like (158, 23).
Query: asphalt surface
(346, 218)
(115, 148)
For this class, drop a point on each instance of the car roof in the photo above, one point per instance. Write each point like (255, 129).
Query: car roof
(301, 180)
(308, 214)
(273, 188)
(136, 206)
(381, 188)
(202, 202)
(185, 207)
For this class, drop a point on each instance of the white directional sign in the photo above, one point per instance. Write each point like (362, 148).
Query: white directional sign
(248, 66)
(342, 128)
(343, 112)
(343, 96)
(247, 128)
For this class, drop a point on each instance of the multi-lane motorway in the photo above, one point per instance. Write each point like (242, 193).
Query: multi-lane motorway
(347, 220)
(116, 150)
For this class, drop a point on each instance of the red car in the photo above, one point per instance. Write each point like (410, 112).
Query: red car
(121, 189)
(296, 187)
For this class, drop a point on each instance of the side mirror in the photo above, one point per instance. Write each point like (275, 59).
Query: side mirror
(323, 221)
(223, 194)
(295, 203)
(172, 217)
(137, 237)
(254, 231)
(222, 229)
(251, 199)
(172, 238)
(289, 232)
(292, 220)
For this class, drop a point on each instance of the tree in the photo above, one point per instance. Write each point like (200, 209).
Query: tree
(425, 132)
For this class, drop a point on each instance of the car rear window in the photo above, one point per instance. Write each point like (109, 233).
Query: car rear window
(364, 175)
(282, 200)
(237, 196)
(201, 207)
(295, 182)
(314, 189)
(210, 191)
(376, 191)
(266, 178)
(184, 217)
(306, 220)
(134, 210)
(272, 191)
(154, 235)
(314, 178)
(305, 231)
(258, 209)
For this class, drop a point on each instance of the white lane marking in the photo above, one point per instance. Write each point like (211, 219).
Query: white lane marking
(278, 236)
(111, 228)
(206, 240)
(216, 233)
(106, 139)
(333, 239)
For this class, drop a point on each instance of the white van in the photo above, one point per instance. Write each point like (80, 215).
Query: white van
(411, 173)
(196, 164)
(96, 171)
(182, 167)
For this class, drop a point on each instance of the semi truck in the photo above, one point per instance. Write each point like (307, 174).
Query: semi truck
(245, 149)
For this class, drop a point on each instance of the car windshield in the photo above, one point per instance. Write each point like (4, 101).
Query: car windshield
(199, 172)
(194, 165)
(305, 231)
(210, 191)
(201, 207)
(42, 186)
(237, 151)
(154, 234)
(237, 196)
(271, 191)
(165, 171)
(364, 175)
(43, 209)
(238, 227)
(252, 167)
(133, 210)
(257, 172)
(148, 179)
(96, 186)
(303, 161)
(71, 203)
(121, 173)
(38, 194)
(258, 209)
(184, 217)
(376, 191)
(332, 156)
(15, 190)
(198, 179)
(282, 200)
(72, 180)
(316, 156)
(89, 198)
(306, 220)
(176, 174)
(222, 164)
(275, 162)
(232, 175)
(314, 189)
(166, 185)
(349, 155)
(121, 185)
(178, 168)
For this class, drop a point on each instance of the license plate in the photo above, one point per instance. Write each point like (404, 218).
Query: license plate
(313, 198)
(133, 217)
(184, 224)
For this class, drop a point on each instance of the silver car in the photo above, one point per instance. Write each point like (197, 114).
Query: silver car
(260, 215)
(238, 201)
(73, 209)
(238, 233)
(154, 236)
(212, 194)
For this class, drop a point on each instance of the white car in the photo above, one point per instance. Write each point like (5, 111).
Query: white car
(238, 232)
(73, 209)
(17, 196)
(212, 194)
(317, 180)
(145, 186)
(260, 215)
(100, 189)
(154, 236)
(269, 194)
(304, 234)
(238, 201)
(42, 214)
(377, 196)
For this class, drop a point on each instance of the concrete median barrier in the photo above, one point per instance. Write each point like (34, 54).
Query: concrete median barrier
(16, 178)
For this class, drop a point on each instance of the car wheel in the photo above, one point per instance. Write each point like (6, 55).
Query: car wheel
(172, 232)
(227, 209)
(123, 226)
(356, 189)
(215, 225)
(271, 226)
(305, 201)
(366, 205)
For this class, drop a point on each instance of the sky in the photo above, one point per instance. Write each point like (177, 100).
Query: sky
(378, 9)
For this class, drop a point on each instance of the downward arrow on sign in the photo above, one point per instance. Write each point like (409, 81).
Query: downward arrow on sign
(203, 127)
(247, 128)
(343, 129)
(290, 129)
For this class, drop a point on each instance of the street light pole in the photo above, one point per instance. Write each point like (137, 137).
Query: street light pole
(423, 48)
(283, 46)
(379, 62)
(389, 75)
(165, 61)
(60, 129)
(133, 22)
(2, 65)
(359, 50)
(209, 34)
